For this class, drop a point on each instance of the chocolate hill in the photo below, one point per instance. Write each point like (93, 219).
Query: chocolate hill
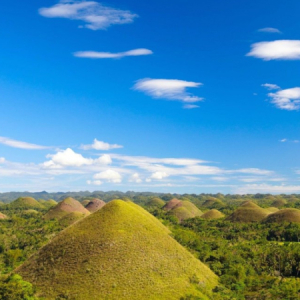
(95, 205)
(25, 203)
(155, 202)
(212, 214)
(120, 252)
(284, 215)
(171, 204)
(185, 210)
(248, 212)
(65, 207)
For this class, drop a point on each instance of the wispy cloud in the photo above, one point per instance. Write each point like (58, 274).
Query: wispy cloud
(276, 50)
(283, 140)
(169, 89)
(95, 15)
(269, 30)
(288, 99)
(271, 86)
(267, 188)
(190, 106)
(101, 55)
(21, 145)
(99, 145)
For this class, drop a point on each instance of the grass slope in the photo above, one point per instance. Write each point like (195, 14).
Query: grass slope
(185, 210)
(284, 215)
(95, 205)
(65, 207)
(71, 218)
(212, 214)
(119, 252)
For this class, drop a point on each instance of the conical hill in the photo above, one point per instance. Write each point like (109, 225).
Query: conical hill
(155, 202)
(117, 253)
(95, 205)
(25, 203)
(248, 212)
(171, 204)
(184, 210)
(65, 207)
(284, 215)
(212, 214)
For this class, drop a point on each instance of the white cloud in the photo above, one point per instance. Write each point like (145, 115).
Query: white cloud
(190, 106)
(99, 145)
(94, 182)
(271, 86)
(170, 89)
(159, 175)
(288, 99)
(95, 15)
(21, 145)
(283, 140)
(95, 54)
(254, 171)
(266, 188)
(2, 160)
(69, 158)
(110, 176)
(135, 178)
(269, 30)
(280, 49)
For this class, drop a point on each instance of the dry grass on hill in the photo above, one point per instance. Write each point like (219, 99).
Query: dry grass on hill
(212, 215)
(65, 207)
(284, 215)
(95, 205)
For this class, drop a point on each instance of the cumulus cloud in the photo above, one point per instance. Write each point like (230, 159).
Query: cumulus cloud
(95, 15)
(69, 158)
(288, 99)
(269, 30)
(276, 50)
(2, 160)
(109, 176)
(271, 86)
(21, 145)
(99, 145)
(170, 89)
(135, 178)
(159, 175)
(98, 55)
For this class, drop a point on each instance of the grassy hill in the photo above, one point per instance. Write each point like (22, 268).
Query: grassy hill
(94, 205)
(119, 252)
(65, 207)
(248, 212)
(212, 214)
(25, 203)
(155, 202)
(284, 215)
(184, 210)
(171, 204)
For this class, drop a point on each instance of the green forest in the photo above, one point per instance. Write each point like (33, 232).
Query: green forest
(249, 246)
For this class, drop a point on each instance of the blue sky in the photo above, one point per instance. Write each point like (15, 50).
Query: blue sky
(190, 96)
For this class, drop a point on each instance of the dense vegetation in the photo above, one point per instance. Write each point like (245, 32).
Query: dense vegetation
(255, 258)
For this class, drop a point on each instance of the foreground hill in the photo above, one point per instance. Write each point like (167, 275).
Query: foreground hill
(65, 207)
(118, 252)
